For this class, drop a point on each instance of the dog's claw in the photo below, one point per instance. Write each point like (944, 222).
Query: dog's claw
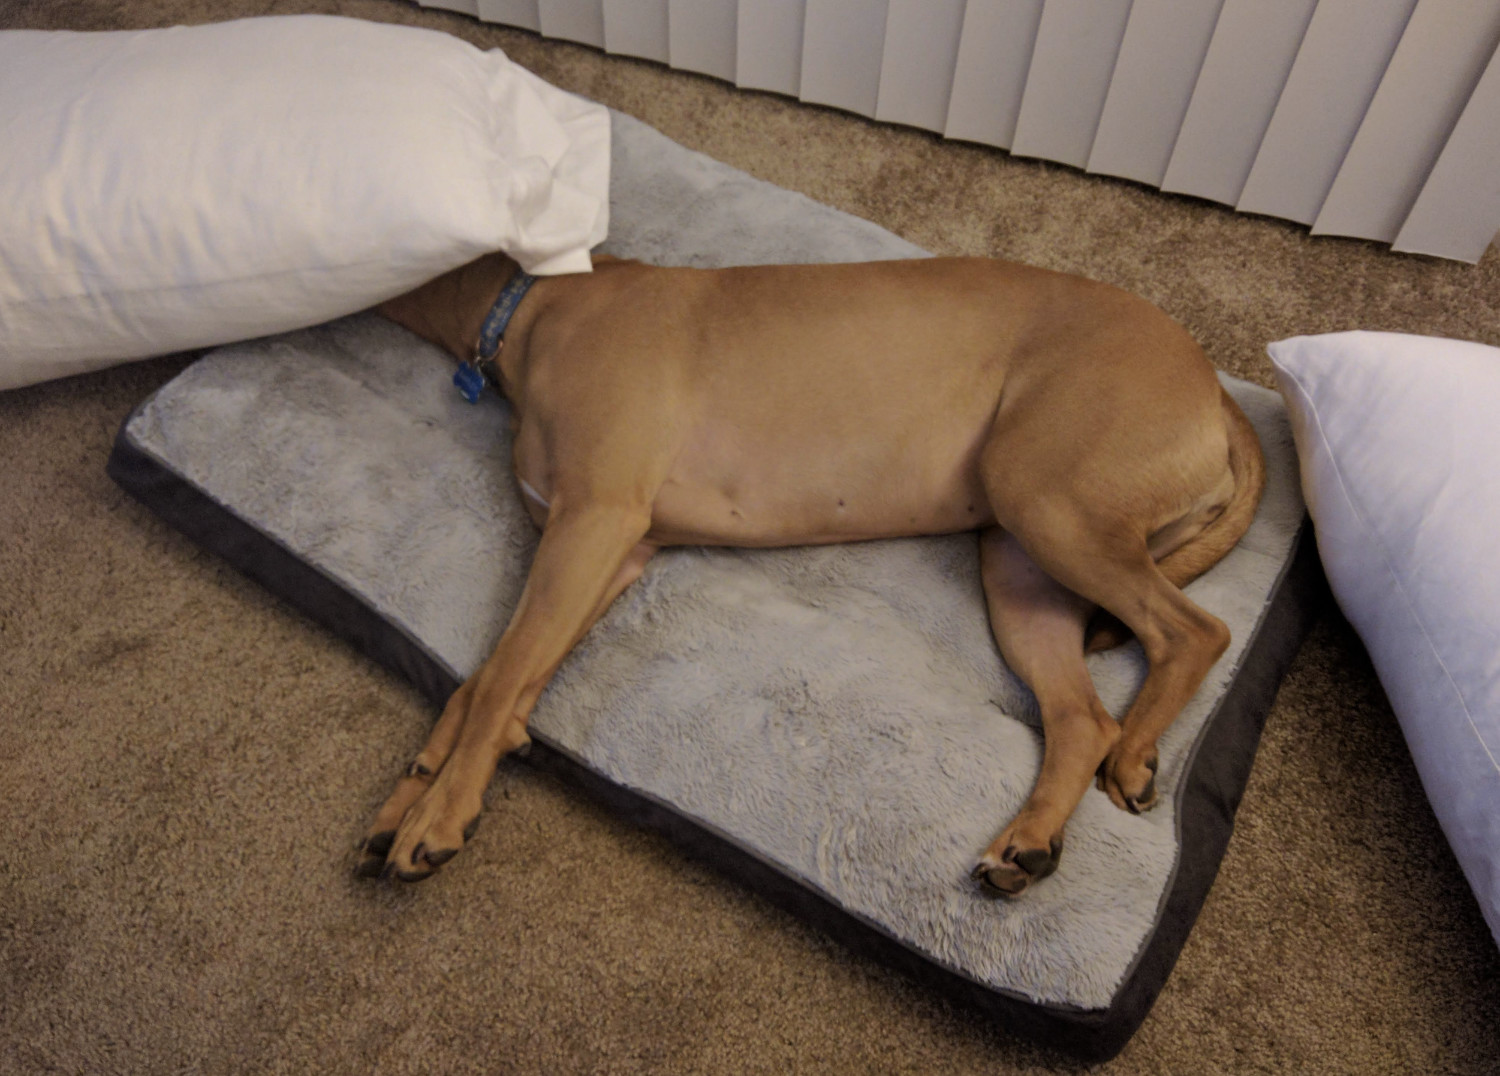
(384, 860)
(1000, 881)
(1038, 862)
(1016, 871)
(1145, 801)
(380, 843)
(417, 830)
(373, 851)
(1112, 782)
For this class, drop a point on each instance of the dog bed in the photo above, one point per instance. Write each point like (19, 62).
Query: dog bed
(833, 725)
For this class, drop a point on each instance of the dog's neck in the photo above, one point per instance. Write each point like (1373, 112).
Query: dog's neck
(451, 311)
(486, 294)
(485, 366)
(492, 331)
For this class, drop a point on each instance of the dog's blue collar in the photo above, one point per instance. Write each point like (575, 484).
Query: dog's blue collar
(471, 376)
(498, 318)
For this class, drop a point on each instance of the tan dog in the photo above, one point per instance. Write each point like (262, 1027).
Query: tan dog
(1076, 427)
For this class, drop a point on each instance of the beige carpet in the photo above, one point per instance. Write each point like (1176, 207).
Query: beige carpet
(187, 765)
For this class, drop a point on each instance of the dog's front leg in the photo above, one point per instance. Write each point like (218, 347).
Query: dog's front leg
(588, 554)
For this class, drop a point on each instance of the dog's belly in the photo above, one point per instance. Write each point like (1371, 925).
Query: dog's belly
(779, 498)
(791, 469)
(774, 505)
(686, 517)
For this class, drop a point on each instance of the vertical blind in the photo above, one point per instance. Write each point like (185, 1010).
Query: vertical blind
(1378, 119)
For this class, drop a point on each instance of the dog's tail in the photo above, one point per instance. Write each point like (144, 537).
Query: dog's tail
(1205, 549)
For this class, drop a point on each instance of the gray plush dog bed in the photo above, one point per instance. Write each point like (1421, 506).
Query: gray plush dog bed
(832, 724)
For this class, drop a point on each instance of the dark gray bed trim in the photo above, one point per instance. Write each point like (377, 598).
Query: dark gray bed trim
(1213, 786)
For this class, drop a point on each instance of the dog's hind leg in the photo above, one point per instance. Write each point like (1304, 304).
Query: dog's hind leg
(1182, 641)
(1096, 555)
(1039, 627)
(1083, 508)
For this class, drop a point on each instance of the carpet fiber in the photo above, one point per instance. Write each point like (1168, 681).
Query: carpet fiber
(190, 764)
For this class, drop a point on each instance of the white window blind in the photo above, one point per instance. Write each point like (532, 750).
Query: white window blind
(1249, 57)
(573, 20)
(1151, 86)
(637, 28)
(994, 54)
(1075, 52)
(1370, 118)
(1463, 186)
(1434, 70)
(768, 46)
(701, 34)
(522, 13)
(1338, 67)
(843, 44)
(921, 38)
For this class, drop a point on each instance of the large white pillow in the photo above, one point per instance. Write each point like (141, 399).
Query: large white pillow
(1398, 438)
(169, 189)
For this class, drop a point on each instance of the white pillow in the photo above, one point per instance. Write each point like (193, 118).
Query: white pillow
(1398, 438)
(171, 189)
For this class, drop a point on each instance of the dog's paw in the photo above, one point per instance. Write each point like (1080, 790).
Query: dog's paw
(376, 860)
(381, 835)
(1012, 865)
(430, 815)
(433, 830)
(1128, 777)
(421, 827)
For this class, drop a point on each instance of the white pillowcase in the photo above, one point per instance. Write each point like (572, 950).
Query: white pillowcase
(172, 189)
(1398, 438)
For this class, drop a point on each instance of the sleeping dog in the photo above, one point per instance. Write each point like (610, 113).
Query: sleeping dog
(1076, 427)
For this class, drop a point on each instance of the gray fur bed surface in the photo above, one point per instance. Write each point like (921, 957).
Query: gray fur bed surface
(841, 712)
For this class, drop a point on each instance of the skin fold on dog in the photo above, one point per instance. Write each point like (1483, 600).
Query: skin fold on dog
(1075, 426)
